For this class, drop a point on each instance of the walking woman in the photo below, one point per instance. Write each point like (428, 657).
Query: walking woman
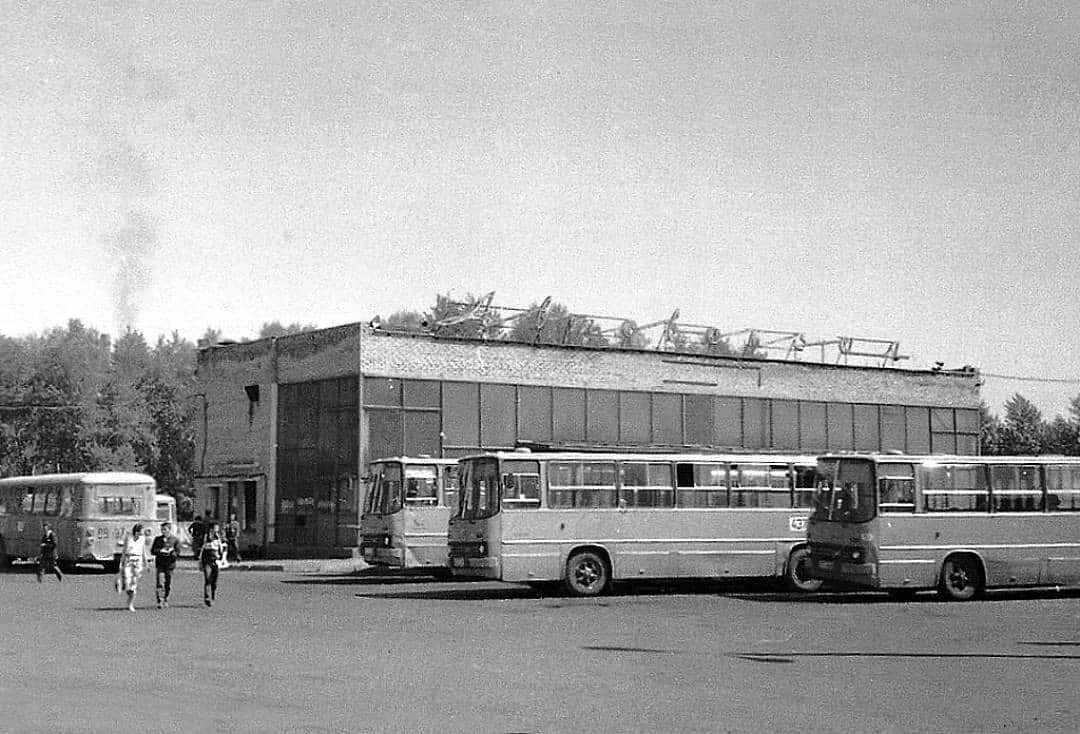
(131, 563)
(213, 550)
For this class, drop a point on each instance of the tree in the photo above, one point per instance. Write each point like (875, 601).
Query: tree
(1062, 437)
(552, 323)
(276, 328)
(411, 321)
(990, 431)
(1024, 429)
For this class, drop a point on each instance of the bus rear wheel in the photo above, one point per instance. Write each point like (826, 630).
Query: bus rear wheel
(795, 574)
(961, 579)
(587, 574)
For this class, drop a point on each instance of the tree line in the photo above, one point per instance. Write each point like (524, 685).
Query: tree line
(75, 399)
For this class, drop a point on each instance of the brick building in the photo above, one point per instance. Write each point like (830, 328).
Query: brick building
(288, 423)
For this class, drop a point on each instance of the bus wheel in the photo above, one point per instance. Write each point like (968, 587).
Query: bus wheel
(111, 566)
(586, 574)
(5, 559)
(961, 578)
(795, 574)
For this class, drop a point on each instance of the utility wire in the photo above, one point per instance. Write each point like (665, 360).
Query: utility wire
(1021, 378)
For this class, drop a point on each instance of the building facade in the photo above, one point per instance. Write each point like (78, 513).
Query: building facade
(288, 424)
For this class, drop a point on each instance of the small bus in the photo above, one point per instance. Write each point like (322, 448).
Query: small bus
(90, 513)
(587, 519)
(958, 524)
(406, 512)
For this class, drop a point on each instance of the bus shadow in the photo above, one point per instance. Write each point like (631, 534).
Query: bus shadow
(456, 593)
(840, 596)
(361, 579)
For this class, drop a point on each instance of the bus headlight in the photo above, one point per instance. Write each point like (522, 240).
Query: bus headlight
(483, 549)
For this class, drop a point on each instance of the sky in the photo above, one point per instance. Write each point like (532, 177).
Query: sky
(897, 171)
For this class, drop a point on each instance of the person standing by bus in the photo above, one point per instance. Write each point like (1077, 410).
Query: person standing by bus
(132, 561)
(47, 555)
(213, 550)
(165, 550)
(232, 536)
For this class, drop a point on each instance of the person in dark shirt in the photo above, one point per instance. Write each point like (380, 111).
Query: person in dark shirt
(165, 550)
(232, 536)
(198, 531)
(213, 551)
(47, 555)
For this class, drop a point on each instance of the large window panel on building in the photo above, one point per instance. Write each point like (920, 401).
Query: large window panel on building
(461, 414)
(635, 417)
(755, 423)
(840, 420)
(812, 430)
(420, 393)
(498, 416)
(383, 391)
(384, 434)
(568, 414)
(967, 431)
(867, 428)
(785, 425)
(728, 422)
(918, 430)
(422, 433)
(308, 410)
(942, 431)
(698, 419)
(349, 391)
(667, 429)
(893, 428)
(534, 413)
(602, 416)
(348, 442)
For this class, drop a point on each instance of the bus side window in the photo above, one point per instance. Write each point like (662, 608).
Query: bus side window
(27, 502)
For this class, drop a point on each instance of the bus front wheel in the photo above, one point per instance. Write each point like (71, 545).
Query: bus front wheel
(961, 578)
(587, 574)
(795, 574)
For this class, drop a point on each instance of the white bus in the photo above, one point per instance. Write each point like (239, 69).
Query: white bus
(89, 512)
(960, 524)
(587, 519)
(406, 512)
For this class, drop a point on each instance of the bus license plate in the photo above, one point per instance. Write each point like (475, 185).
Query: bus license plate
(825, 565)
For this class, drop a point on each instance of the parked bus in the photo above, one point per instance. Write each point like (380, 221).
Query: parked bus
(960, 524)
(166, 512)
(406, 512)
(90, 513)
(587, 519)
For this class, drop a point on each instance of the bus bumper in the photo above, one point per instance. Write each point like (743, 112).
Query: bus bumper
(475, 567)
(859, 574)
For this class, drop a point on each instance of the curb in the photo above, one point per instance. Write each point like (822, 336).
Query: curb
(311, 565)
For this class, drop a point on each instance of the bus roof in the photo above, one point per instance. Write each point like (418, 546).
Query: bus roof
(413, 460)
(111, 477)
(734, 457)
(952, 458)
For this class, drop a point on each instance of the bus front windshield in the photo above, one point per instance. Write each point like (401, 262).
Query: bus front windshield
(479, 488)
(385, 495)
(845, 491)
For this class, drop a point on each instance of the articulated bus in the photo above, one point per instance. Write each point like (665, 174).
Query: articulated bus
(406, 512)
(588, 519)
(959, 524)
(90, 513)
